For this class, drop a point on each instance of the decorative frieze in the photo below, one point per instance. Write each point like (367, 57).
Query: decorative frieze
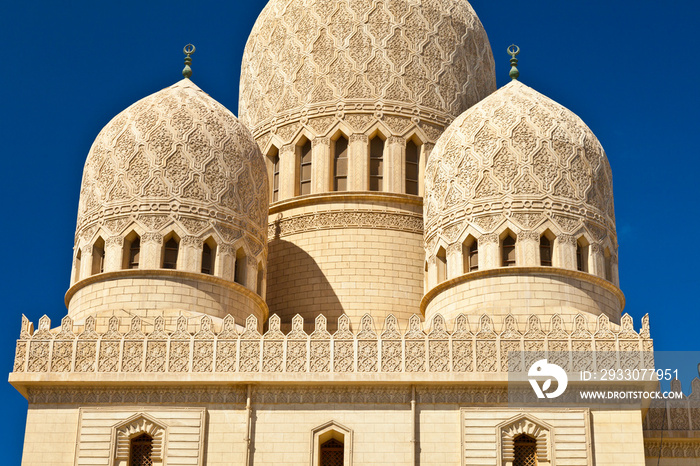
(347, 219)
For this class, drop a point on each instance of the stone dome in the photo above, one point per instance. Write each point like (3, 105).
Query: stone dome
(427, 61)
(176, 157)
(518, 158)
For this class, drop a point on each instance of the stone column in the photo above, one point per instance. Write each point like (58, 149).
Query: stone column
(358, 163)
(432, 273)
(395, 165)
(289, 172)
(191, 254)
(596, 260)
(489, 257)
(151, 251)
(455, 261)
(320, 165)
(114, 253)
(425, 151)
(251, 273)
(224, 266)
(85, 261)
(565, 252)
(527, 249)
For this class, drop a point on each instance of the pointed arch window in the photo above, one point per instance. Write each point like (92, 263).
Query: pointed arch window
(376, 164)
(508, 252)
(441, 262)
(581, 255)
(305, 168)
(241, 265)
(340, 164)
(260, 279)
(332, 453)
(470, 254)
(134, 253)
(275, 161)
(545, 251)
(98, 256)
(170, 254)
(411, 167)
(141, 451)
(207, 260)
(77, 265)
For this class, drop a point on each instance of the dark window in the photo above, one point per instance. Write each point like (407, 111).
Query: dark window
(140, 450)
(207, 260)
(545, 252)
(525, 451)
(473, 257)
(240, 270)
(332, 453)
(580, 258)
(340, 165)
(170, 254)
(376, 164)
(411, 168)
(275, 176)
(508, 251)
(305, 169)
(441, 265)
(134, 253)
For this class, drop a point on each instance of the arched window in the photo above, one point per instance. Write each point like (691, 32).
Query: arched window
(134, 253)
(608, 265)
(411, 168)
(545, 251)
(581, 255)
(525, 451)
(170, 254)
(140, 450)
(340, 164)
(470, 254)
(332, 453)
(275, 162)
(98, 256)
(441, 262)
(207, 260)
(305, 168)
(77, 266)
(508, 252)
(376, 164)
(241, 265)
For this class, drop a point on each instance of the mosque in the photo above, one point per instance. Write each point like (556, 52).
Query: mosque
(350, 272)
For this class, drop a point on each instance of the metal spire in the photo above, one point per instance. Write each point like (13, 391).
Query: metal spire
(188, 50)
(513, 51)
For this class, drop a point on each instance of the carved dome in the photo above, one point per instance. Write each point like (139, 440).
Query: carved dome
(521, 158)
(176, 156)
(427, 60)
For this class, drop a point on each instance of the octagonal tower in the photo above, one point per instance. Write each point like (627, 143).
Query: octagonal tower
(346, 100)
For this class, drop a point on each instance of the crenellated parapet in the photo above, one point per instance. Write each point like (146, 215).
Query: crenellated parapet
(148, 347)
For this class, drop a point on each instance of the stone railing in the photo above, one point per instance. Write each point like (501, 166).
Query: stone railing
(365, 351)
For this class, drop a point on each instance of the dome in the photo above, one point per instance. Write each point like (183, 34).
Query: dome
(427, 60)
(520, 158)
(176, 157)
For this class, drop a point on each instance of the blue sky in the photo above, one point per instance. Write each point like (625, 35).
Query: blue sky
(627, 68)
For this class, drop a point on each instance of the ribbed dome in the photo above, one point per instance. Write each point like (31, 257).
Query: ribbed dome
(428, 60)
(176, 156)
(520, 156)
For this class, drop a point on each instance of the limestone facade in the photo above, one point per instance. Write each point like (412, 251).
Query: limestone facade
(360, 271)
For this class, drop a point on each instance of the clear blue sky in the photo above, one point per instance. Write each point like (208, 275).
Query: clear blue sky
(628, 68)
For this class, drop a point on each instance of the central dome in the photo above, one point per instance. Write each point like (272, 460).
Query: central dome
(429, 59)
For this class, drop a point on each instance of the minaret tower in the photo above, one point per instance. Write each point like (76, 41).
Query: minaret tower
(519, 212)
(346, 100)
(173, 213)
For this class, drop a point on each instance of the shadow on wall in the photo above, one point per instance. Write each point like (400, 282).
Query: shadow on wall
(296, 285)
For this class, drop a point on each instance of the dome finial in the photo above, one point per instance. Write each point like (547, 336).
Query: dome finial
(513, 51)
(188, 50)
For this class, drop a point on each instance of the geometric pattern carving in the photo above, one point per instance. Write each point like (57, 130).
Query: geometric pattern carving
(135, 426)
(379, 59)
(440, 350)
(527, 425)
(520, 154)
(181, 148)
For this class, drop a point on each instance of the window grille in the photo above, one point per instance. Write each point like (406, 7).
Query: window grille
(545, 252)
(332, 453)
(525, 451)
(305, 169)
(140, 451)
(411, 168)
(509, 252)
(340, 165)
(376, 164)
